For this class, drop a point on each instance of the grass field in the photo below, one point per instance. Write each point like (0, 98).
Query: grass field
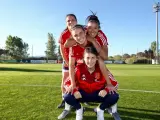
(32, 92)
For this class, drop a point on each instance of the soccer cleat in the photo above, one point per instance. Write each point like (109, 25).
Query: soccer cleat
(100, 114)
(79, 114)
(116, 116)
(63, 114)
(113, 111)
(61, 105)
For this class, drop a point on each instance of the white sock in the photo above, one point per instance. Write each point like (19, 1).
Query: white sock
(98, 109)
(114, 108)
(67, 106)
(62, 96)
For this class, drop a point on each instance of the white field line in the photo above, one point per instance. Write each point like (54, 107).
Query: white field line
(58, 86)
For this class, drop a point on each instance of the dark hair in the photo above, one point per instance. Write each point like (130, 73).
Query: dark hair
(78, 26)
(93, 18)
(73, 15)
(91, 49)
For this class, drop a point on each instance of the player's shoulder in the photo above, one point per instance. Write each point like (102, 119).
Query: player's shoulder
(101, 34)
(64, 32)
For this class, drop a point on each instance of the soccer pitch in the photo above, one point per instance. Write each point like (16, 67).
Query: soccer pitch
(32, 92)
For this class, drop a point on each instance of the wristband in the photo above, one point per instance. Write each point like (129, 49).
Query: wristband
(75, 90)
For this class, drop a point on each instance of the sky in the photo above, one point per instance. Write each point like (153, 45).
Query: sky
(130, 25)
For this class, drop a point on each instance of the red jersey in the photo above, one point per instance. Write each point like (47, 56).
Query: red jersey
(91, 82)
(101, 38)
(77, 51)
(63, 38)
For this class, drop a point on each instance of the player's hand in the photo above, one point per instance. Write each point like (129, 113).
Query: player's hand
(89, 38)
(77, 95)
(102, 93)
(70, 89)
(111, 89)
(65, 64)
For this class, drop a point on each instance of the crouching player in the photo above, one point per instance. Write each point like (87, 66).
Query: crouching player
(91, 86)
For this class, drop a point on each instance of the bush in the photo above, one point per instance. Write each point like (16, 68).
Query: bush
(143, 61)
(129, 61)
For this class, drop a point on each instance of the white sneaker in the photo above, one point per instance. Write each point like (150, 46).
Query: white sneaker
(116, 116)
(63, 114)
(112, 109)
(79, 114)
(100, 114)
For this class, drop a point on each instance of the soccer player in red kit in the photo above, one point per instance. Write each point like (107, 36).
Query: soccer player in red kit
(91, 86)
(71, 20)
(76, 54)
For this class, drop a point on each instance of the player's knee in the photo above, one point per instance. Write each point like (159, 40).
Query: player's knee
(68, 98)
(114, 97)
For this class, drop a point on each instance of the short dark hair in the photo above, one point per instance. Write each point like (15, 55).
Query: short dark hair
(78, 26)
(91, 49)
(73, 15)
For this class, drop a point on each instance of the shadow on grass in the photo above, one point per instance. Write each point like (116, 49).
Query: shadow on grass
(143, 110)
(125, 113)
(27, 70)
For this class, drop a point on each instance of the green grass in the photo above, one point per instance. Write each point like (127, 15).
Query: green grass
(20, 99)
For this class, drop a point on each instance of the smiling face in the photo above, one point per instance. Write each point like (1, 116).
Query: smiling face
(70, 21)
(79, 35)
(90, 60)
(92, 28)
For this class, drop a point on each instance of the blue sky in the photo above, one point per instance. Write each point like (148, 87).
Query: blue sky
(130, 25)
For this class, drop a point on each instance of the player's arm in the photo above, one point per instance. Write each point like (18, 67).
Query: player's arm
(104, 70)
(105, 75)
(63, 54)
(69, 42)
(104, 50)
(72, 61)
(101, 50)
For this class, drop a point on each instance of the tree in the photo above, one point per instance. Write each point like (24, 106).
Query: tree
(51, 46)
(153, 47)
(133, 55)
(117, 57)
(16, 48)
(129, 60)
(3, 51)
(110, 58)
(59, 54)
(125, 56)
(140, 55)
(150, 54)
(146, 54)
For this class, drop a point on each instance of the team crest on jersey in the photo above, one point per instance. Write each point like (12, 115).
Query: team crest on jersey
(83, 77)
(97, 75)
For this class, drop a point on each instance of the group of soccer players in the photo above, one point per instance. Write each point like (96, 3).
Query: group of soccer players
(85, 77)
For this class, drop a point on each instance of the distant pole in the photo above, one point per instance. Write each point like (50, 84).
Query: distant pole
(122, 53)
(156, 7)
(32, 51)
